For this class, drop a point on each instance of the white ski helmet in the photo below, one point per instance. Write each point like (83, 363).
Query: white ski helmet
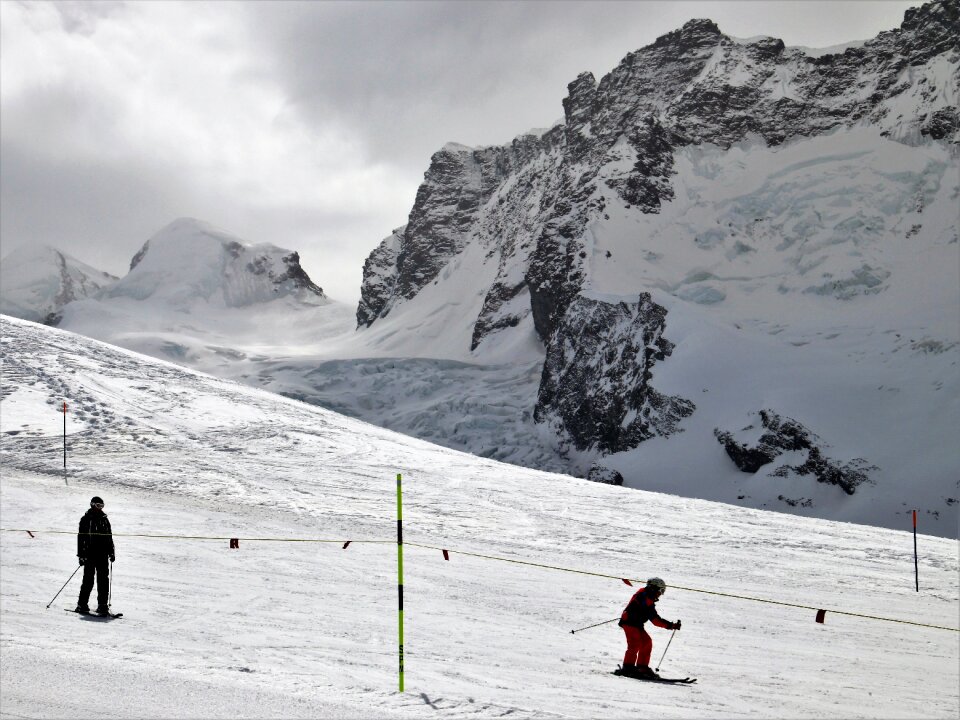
(657, 584)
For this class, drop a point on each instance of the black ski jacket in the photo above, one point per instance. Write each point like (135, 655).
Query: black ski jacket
(95, 539)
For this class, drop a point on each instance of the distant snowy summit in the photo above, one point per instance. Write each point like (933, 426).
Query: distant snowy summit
(186, 263)
(190, 261)
(37, 281)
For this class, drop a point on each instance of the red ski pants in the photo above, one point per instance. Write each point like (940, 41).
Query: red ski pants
(639, 646)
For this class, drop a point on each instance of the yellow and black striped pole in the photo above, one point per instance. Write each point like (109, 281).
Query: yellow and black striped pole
(400, 570)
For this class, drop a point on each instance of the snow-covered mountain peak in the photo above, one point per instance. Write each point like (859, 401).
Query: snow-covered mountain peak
(36, 281)
(191, 261)
(198, 295)
(708, 205)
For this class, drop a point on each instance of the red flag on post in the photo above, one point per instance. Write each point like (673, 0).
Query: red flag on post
(821, 614)
(627, 582)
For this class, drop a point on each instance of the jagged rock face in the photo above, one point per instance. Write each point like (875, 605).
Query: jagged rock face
(538, 208)
(379, 279)
(595, 388)
(692, 86)
(463, 198)
(780, 435)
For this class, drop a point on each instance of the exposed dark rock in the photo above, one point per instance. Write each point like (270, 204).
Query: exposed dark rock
(140, 255)
(595, 387)
(379, 279)
(297, 275)
(781, 435)
(263, 265)
(748, 459)
(605, 475)
(941, 124)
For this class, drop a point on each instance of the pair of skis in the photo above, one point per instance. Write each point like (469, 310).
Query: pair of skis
(107, 616)
(664, 680)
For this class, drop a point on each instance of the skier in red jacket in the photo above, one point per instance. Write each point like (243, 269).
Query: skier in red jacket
(642, 607)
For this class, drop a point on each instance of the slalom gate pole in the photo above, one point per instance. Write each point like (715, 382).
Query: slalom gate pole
(605, 622)
(400, 571)
(665, 650)
(64, 440)
(916, 563)
(64, 585)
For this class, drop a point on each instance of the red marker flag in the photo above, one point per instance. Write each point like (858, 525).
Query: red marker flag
(627, 582)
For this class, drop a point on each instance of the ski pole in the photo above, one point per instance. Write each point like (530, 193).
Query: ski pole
(64, 585)
(594, 625)
(665, 650)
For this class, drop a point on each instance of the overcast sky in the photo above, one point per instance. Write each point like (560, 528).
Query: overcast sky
(304, 124)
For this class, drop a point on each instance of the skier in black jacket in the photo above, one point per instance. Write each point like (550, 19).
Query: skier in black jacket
(95, 549)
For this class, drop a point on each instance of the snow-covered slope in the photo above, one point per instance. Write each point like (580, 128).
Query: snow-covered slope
(309, 629)
(37, 281)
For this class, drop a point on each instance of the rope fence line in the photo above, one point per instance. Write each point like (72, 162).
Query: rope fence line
(497, 559)
(696, 590)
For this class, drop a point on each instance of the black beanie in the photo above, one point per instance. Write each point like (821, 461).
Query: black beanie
(95, 499)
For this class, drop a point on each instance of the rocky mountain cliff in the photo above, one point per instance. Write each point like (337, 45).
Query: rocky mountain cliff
(791, 195)
(530, 201)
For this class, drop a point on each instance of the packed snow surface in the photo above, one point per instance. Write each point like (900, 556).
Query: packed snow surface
(278, 628)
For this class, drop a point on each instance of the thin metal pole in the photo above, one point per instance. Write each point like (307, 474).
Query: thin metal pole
(64, 585)
(665, 650)
(400, 571)
(916, 563)
(64, 437)
(605, 622)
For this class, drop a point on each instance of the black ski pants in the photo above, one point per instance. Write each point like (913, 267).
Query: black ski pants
(100, 566)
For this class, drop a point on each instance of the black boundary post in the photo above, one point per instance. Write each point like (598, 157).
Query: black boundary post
(400, 572)
(64, 440)
(916, 562)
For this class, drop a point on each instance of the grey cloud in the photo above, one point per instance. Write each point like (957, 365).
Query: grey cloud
(82, 16)
(98, 211)
(402, 78)
(413, 76)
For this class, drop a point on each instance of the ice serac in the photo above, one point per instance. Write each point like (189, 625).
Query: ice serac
(596, 389)
(190, 261)
(37, 281)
